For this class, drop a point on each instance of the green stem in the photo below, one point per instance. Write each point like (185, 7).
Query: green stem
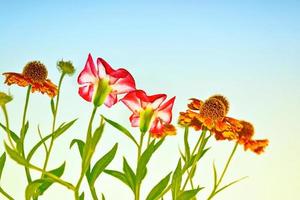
(88, 137)
(22, 137)
(6, 194)
(201, 147)
(7, 126)
(224, 171)
(138, 185)
(93, 192)
(53, 123)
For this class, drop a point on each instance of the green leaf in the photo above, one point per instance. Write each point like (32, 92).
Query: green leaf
(158, 188)
(130, 176)
(13, 135)
(62, 128)
(32, 189)
(103, 197)
(15, 155)
(186, 143)
(182, 155)
(52, 106)
(145, 157)
(101, 164)
(230, 184)
(97, 134)
(80, 145)
(2, 163)
(121, 128)
(118, 175)
(81, 197)
(57, 172)
(215, 174)
(176, 180)
(188, 194)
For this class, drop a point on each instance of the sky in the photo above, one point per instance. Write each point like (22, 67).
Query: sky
(245, 50)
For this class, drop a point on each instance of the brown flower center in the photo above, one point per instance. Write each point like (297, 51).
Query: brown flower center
(223, 100)
(213, 109)
(247, 131)
(36, 71)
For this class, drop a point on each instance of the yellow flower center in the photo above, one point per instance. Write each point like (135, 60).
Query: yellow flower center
(213, 109)
(36, 71)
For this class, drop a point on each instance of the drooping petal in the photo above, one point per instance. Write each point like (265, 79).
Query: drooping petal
(195, 104)
(165, 111)
(111, 100)
(135, 120)
(90, 73)
(86, 92)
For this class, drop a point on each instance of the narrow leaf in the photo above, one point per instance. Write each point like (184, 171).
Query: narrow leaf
(2, 163)
(131, 178)
(186, 143)
(81, 197)
(97, 134)
(80, 145)
(118, 175)
(176, 180)
(158, 188)
(230, 184)
(189, 194)
(32, 189)
(57, 172)
(64, 127)
(103, 197)
(215, 174)
(121, 128)
(101, 164)
(13, 135)
(52, 107)
(15, 156)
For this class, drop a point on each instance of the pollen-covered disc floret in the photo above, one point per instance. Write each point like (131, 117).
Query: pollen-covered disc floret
(213, 109)
(36, 71)
(223, 100)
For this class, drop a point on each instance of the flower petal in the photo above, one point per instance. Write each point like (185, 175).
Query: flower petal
(86, 92)
(135, 120)
(111, 100)
(132, 101)
(165, 111)
(122, 81)
(90, 73)
(103, 68)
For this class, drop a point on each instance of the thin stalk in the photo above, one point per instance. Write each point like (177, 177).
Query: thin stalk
(53, 123)
(6, 194)
(28, 176)
(138, 185)
(223, 172)
(93, 192)
(88, 136)
(7, 126)
(201, 141)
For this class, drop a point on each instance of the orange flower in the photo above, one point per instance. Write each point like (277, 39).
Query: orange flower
(245, 138)
(34, 74)
(211, 115)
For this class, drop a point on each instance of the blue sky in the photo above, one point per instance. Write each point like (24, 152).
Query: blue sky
(246, 50)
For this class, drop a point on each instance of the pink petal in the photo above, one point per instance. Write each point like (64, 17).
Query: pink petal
(132, 101)
(154, 100)
(111, 100)
(86, 92)
(89, 73)
(104, 68)
(123, 84)
(135, 120)
(156, 126)
(165, 111)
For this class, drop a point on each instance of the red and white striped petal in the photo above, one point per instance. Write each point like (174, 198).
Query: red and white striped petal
(89, 74)
(86, 92)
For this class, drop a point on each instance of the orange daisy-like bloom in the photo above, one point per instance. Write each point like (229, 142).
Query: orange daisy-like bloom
(211, 115)
(245, 138)
(34, 74)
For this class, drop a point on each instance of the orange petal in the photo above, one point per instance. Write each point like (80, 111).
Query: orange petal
(195, 104)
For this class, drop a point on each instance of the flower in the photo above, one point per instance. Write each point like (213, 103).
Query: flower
(4, 98)
(211, 115)
(101, 84)
(34, 74)
(149, 112)
(66, 67)
(245, 138)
